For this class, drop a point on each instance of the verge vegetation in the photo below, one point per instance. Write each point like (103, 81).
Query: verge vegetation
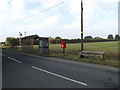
(72, 52)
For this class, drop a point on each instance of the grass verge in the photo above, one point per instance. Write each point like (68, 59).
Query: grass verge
(73, 57)
(93, 60)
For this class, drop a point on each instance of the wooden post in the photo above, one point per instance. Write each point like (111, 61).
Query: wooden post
(81, 25)
(32, 43)
(63, 51)
(20, 43)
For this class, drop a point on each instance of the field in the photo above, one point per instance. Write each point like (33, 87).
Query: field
(110, 48)
(72, 52)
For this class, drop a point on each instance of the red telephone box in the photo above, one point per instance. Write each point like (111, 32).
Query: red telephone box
(63, 44)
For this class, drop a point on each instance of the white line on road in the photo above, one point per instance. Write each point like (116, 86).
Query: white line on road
(2, 54)
(75, 81)
(14, 60)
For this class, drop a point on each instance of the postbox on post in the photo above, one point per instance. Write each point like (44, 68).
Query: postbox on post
(63, 45)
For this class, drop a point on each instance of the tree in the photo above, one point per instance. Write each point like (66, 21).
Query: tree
(2, 42)
(97, 38)
(88, 37)
(58, 38)
(11, 41)
(110, 36)
(117, 37)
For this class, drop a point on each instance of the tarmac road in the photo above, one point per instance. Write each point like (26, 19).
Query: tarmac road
(26, 71)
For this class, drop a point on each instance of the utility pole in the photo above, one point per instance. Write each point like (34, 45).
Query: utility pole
(81, 25)
(20, 34)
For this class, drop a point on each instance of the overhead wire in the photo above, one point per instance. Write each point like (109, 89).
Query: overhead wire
(36, 14)
(45, 2)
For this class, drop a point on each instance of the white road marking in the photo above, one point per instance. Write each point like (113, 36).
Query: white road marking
(72, 80)
(2, 54)
(14, 60)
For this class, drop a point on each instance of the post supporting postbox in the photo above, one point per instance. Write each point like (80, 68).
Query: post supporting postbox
(63, 51)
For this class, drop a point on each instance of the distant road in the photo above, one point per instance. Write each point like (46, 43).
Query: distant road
(25, 71)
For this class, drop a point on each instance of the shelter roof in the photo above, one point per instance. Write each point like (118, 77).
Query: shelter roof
(31, 37)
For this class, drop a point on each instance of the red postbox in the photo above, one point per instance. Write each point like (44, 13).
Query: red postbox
(63, 44)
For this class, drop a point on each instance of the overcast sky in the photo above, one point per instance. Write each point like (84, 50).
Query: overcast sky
(100, 18)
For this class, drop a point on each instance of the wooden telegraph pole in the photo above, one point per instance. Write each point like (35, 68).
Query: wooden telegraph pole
(20, 34)
(81, 25)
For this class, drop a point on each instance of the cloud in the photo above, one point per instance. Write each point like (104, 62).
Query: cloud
(50, 3)
(49, 22)
(108, 1)
(71, 26)
(36, 28)
(64, 20)
(17, 9)
(52, 20)
(36, 1)
(75, 6)
(4, 4)
(95, 21)
(45, 3)
(13, 10)
(33, 11)
(102, 28)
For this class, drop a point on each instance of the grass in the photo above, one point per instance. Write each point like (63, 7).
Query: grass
(110, 48)
(72, 52)
(99, 46)
(93, 60)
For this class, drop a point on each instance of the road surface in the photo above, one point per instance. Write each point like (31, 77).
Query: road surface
(25, 71)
